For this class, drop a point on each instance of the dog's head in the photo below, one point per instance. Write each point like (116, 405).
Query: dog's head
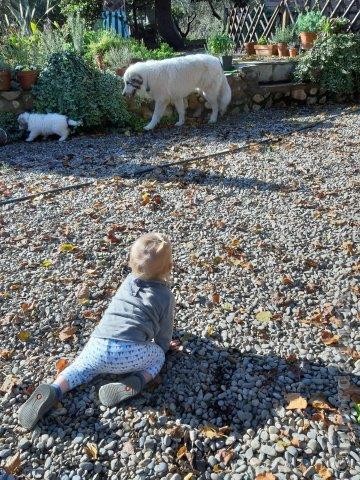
(23, 121)
(133, 84)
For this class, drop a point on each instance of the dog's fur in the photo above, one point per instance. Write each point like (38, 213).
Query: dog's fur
(46, 124)
(172, 80)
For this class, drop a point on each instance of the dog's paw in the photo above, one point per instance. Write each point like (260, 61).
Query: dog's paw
(148, 127)
(212, 120)
(179, 124)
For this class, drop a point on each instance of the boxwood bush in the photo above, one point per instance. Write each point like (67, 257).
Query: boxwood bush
(333, 63)
(69, 85)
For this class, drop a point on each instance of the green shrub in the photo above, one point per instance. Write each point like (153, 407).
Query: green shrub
(333, 63)
(310, 21)
(284, 35)
(220, 44)
(70, 86)
(90, 10)
(262, 41)
(8, 122)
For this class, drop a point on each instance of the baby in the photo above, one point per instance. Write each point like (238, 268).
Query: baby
(132, 337)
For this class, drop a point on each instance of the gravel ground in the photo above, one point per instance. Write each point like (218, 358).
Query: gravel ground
(266, 281)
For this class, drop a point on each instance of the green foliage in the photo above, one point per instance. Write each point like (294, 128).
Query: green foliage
(8, 122)
(70, 86)
(26, 13)
(76, 26)
(333, 63)
(284, 35)
(21, 51)
(310, 21)
(331, 26)
(220, 44)
(90, 10)
(262, 41)
(100, 42)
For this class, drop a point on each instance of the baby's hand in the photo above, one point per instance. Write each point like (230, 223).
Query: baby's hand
(175, 345)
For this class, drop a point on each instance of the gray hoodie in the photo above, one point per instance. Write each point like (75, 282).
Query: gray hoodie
(140, 311)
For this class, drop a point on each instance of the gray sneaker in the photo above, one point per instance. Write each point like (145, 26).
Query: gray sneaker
(40, 402)
(114, 393)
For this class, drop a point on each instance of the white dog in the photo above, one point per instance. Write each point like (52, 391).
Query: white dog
(172, 80)
(46, 124)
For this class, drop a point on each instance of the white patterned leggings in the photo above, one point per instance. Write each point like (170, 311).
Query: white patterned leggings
(101, 355)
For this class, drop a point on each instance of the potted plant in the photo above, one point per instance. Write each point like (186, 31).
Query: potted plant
(265, 49)
(119, 58)
(5, 76)
(27, 76)
(249, 48)
(308, 25)
(282, 37)
(222, 45)
(293, 51)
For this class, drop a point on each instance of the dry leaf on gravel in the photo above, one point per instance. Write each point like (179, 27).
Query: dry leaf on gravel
(23, 336)
(287, 280)
(226, 455)
(265, 476)
(215, 298)
(320, 402)
(6, 354)
(295, 401)
(175, 432)
(348, 247)
(91, 450)
(328, 338)
(112, 238)
(264, 316)
(217, 469)
(82, 294)
(67, 247)
(189, 476)
(323, 472)
(181, 452)
(27, 307)
(67, 333)
(47, 263)
(61, 364)
(9, 382)
(212, 432)
(13, 464)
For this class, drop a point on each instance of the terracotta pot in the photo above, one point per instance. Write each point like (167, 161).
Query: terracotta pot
(120, 71)
(265, 50)
(293, 52)
(99, 59)
(249, 48)
(27, 78)
(5, 80)
(307, 39)
(283, 50)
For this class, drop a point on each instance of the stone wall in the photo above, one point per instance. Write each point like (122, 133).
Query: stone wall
(15, 101)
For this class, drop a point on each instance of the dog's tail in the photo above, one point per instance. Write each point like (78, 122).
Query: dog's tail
(224, 96)
(74, 123)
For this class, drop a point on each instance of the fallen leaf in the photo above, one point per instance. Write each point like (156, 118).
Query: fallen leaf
(210, 330)
(67, 333)
(13, 464)
(27, 307)
(82, 294)
(322, 471)
(328, 338)
(91, 450)
(47, 263)
(217, 468)
(9, 382)
(113, 230)
(226, 455)
(175, 432)
(348, 247)
(67, 247)
(6, 354)
(23, 336)
(189, 476)
(310, 263)
(295, 401)
(287, 280)
(211, 432)
(215, 297)
(61, 364)
(181, 452)
(265, 476)
(145, 198)
(264, 316)
(319, 401)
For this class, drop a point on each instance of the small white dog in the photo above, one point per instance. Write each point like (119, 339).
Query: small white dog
(46, 124)
(172, 80)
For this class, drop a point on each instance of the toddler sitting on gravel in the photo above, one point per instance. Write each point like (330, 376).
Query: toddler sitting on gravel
(132, 337)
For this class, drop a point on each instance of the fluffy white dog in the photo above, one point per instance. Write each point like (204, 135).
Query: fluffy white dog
(172, 80)
(46, 124)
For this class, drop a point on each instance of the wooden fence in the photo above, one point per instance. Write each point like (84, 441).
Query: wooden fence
(249, 23)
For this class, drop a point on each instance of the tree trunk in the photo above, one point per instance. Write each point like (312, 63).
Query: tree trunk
(165, 24)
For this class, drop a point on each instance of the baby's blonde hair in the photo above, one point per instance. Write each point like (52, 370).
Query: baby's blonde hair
(151, 256)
